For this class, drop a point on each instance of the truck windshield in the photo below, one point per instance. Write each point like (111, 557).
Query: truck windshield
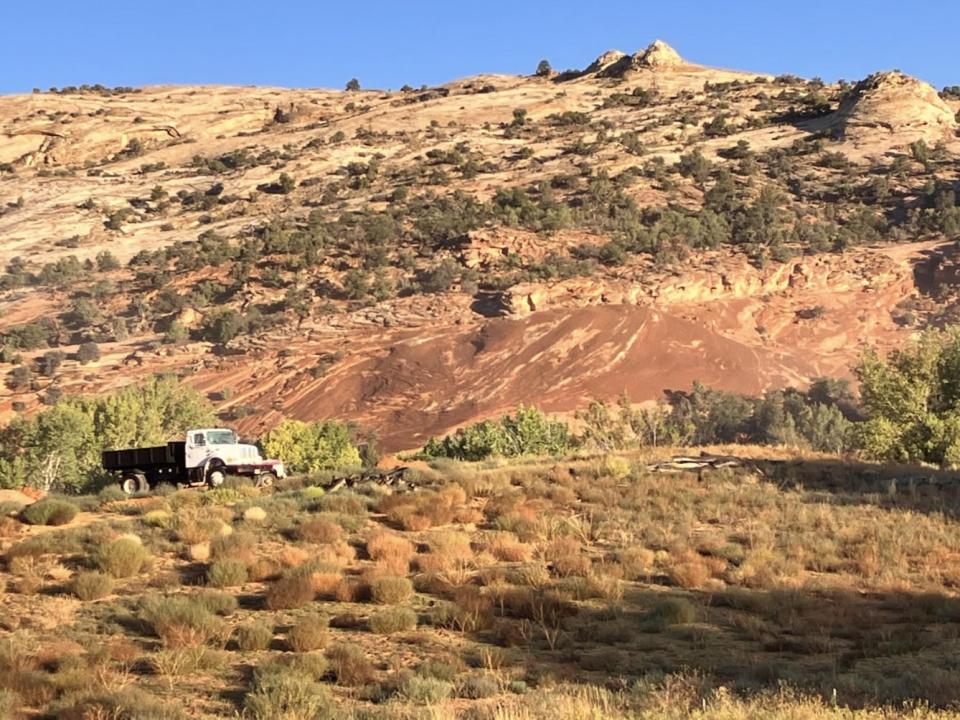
(222, 437)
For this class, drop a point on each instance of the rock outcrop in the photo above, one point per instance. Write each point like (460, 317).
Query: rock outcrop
(893, 103)
(658, 56)
(610, 57)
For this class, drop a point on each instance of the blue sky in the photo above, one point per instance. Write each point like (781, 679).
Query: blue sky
(387, 44)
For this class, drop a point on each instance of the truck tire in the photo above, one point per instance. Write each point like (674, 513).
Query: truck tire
(216, 475)
(266, 479)
(133, 483)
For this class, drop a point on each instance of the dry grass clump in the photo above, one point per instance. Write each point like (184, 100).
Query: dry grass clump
(391, 552)
(506, 547)
(425, 509)
(92, 585)
(200, 524)
(254, 514)
(293, 590)
(338, 553)
(121, 558)
(238, 546)
(450, 557)
(393, 620)
(326, 583)
(264, 568)
(689, 570)
(636, 561)
(390, 590)
(350, 664)
(310, 633)
(566, 556)
(320, 531)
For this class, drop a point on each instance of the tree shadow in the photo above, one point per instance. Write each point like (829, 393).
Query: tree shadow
(868, 648)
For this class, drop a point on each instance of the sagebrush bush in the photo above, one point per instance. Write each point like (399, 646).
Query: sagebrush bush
(50, 511)
(672, 611)
(290, 591)
(350, 664)
(181, 621)
(121, 558)
(227, 573)
(92, 585)
(310, 633)
(253, 636)
(238, 546)
(477, 686)
(423, 690)
(218, 602)
(393, 620)
(390, 590)
(284, 692)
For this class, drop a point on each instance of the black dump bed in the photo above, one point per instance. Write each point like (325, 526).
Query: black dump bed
(173, 454)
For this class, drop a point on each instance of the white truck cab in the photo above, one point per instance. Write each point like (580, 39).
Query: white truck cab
(217, 451)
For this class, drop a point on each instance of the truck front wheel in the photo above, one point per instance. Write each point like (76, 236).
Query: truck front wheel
(133, 483)
(216, 476)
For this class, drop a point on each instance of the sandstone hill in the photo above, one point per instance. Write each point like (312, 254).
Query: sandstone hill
(897, 104)
(413, 260)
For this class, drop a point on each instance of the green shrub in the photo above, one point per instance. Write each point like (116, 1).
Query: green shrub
(218, 602)
(282, 692)
(181, 621)
(310, 633)
(92, 585)
(311, 664)
(672, 611)
(391, 590)
(253, 636)
(50, 511)
(10, 507)
(528, 432)
(311, 447)
(121, 558)
(227, 573)
(425, 690)
(477, 686)
(393, 620)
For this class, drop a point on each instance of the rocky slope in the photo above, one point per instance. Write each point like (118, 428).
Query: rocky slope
(415, 260)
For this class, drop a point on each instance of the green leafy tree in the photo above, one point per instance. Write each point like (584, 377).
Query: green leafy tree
(59, 448)
(527, 432)
(311, 447)
(912, 401)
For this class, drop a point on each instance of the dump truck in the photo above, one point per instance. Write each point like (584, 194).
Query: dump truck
(206, 456)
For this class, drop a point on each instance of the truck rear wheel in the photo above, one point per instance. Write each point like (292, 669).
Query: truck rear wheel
(133, 483)
(266, 479)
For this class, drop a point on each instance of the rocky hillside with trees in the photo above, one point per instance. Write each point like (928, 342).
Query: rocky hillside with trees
(420, 259)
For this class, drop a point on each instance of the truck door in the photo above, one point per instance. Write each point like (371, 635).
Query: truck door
(197, 449)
